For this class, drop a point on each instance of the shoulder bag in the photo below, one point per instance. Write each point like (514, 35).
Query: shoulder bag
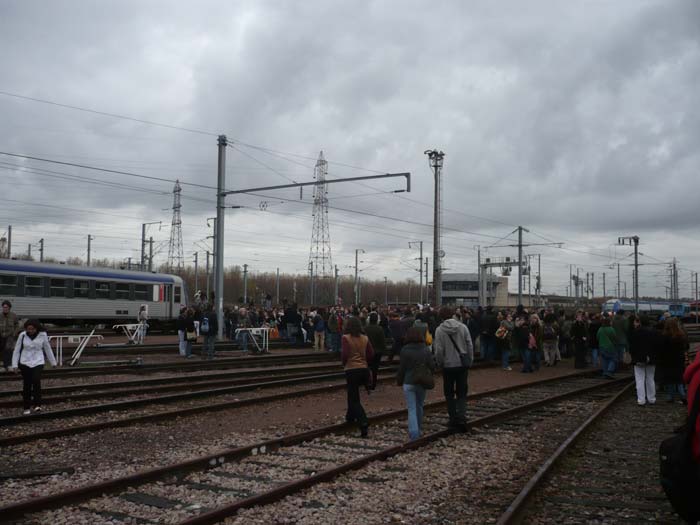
(463, 358)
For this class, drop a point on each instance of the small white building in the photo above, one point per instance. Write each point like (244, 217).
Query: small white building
(462, 289)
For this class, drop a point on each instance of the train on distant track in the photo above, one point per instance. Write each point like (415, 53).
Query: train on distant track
(77, 295)
(676, 309)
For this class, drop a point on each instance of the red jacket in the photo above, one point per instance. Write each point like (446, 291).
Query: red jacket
(691, 377)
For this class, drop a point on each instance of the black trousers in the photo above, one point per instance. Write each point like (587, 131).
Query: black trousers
(6, 349)
(356, 378)
(31, 388)
(374, 367)
(454, 384)
(579, 353)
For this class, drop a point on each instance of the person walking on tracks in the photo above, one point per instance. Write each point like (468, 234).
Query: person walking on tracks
(357, 353)
(28, 357)
(579, 336)
(9, 328)
(415, 375)
(210, 330)
(643, 342)
(378, 340)
(454, 354)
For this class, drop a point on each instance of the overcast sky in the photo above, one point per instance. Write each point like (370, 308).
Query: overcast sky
(578, 120)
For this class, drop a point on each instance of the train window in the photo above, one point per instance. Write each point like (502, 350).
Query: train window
(81, 289)
(141, 292)
(122, 291)
(33, 286)
(102, 290)
(8, 285)
(57, 287)
(177, 297)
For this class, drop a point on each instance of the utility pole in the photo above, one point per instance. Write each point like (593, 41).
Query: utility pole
(222, 143)
(90, 237)
(386, 287)
(277, 287)
(436, 159)
(578, 284)
(427, 295)
(478, 275)
(633, 240)
(143, 246)
(520, 265)
(208, 252)
(697, 319)
(311, 283)
(245, 284)
(539, 280)
(196, 271)
(619, 290)
(588, 283)
(420, 269)
(571, 282)
(150, 254)
(604, 294)
(357, 281)
(335, 298)
(29, 250)
(41, 250)
(9, 241)
(529, 282)
(592, 285)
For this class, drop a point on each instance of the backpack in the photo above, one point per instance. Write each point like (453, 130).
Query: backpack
(204, 325)
(549, 333)
(679, 472)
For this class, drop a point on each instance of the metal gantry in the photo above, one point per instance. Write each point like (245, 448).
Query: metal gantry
(320, 251)
(176, 252)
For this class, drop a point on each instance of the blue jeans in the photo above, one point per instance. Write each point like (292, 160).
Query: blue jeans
(526, 355)
(609, 358)
(188, 348)
(208, 346)
(620, 349)
(488, 347)
(415, 397)
(336, 340)
(536, 358)
(672, 389)
(505, 357)
(594, 356)
(243, 340)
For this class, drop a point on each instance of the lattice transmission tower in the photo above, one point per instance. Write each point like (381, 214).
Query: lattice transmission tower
(176, 258)
(320, 263)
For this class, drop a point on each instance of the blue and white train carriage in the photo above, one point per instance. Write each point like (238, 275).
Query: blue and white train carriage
(62, 294)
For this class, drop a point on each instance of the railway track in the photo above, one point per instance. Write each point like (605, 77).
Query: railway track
(77, 420)
(606, 471)
(129, 388)
(207, 489)
(188, 365)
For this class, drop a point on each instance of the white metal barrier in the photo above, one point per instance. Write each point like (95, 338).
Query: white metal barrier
(263, 333)
(134, 332)
(81, 339)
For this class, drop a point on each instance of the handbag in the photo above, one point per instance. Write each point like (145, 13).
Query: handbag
(428, 338)
(627, 358)
(191, 336)
(423, 376)
(463, 358)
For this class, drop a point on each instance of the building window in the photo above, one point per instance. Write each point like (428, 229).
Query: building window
(33, 286)
(57, 288)
(141, 292)
(81, 289)
(8, 285)
(460, 286)
(122, 291)
(102, 290)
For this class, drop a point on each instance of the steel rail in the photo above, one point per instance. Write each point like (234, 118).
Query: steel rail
(514, 512)
(229, 362)
(59, 499)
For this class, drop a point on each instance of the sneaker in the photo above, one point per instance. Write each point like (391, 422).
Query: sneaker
(508, 369)
(37, 409)
(26, 412)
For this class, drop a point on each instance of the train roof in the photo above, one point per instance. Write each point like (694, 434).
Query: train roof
(94, 272)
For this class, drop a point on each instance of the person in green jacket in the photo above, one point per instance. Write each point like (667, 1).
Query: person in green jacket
(621, 325)
(607, 344)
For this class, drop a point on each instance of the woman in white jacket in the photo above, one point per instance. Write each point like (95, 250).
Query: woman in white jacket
(31, 347)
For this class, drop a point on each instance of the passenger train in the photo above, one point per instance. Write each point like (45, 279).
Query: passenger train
(62, 294)
(680, 310)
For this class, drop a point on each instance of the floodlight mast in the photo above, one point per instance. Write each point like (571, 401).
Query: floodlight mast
(221, 204)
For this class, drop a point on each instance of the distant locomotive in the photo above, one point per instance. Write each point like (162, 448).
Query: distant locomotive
(657, 308)
(64, 295)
